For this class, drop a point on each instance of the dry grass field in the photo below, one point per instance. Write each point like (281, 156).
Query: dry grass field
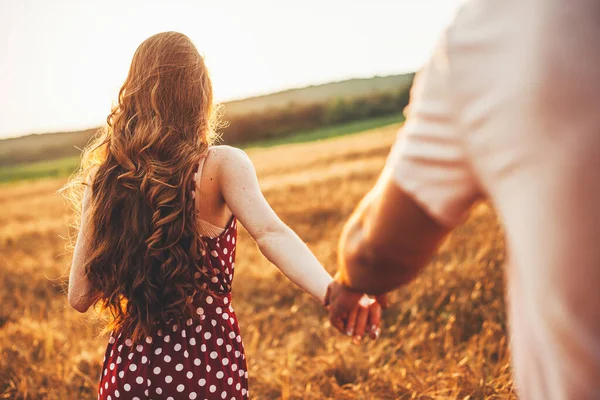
(443, 338)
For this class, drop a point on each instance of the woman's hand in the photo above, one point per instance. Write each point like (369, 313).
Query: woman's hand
(354, 313)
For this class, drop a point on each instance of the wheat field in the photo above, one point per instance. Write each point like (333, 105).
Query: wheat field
(443, 338)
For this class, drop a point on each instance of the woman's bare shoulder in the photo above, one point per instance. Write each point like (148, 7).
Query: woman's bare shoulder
(226, 152)
(228, 158)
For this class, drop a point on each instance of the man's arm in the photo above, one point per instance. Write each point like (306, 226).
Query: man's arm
(390, 236)
(387, 240)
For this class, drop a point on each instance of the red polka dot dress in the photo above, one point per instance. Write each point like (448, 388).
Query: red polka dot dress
(192, 360)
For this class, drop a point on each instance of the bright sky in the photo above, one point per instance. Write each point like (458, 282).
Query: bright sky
(62, 61)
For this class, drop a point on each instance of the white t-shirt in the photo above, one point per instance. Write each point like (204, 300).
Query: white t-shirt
(508, 108)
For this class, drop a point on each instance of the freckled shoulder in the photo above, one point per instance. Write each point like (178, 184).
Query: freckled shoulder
(225, 153)
(228, 161)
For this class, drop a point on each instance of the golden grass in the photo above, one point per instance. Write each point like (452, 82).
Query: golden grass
(444, 336)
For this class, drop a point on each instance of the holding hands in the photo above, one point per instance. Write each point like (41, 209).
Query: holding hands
(354, 313)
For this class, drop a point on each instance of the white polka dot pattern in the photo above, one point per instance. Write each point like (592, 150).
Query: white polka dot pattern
(199, 357)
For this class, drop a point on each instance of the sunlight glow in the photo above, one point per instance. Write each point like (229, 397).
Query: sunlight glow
(64, 61)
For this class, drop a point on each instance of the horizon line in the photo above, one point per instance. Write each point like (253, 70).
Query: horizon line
(230, 100)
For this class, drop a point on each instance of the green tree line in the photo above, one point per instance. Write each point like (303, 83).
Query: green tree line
(295, 118)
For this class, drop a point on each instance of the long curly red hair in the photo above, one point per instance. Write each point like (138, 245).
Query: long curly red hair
(144, 247)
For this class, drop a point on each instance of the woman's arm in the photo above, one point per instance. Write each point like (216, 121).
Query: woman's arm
(277, 242)
(81, 294)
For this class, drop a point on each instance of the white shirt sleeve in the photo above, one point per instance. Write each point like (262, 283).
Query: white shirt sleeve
(429, 160)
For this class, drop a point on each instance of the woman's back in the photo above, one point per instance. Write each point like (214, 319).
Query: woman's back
(203, 356)
(211, 208)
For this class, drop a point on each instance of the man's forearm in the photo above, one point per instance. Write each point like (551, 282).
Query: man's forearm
(387, 240)
(363, 269)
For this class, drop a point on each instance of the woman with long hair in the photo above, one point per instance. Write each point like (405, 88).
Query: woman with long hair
(158, 206)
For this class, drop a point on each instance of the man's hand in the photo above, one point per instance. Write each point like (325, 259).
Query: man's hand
(354, 313)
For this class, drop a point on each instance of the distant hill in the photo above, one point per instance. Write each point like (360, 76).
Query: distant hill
(41, 147)
(50, 146)
(320, 93)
